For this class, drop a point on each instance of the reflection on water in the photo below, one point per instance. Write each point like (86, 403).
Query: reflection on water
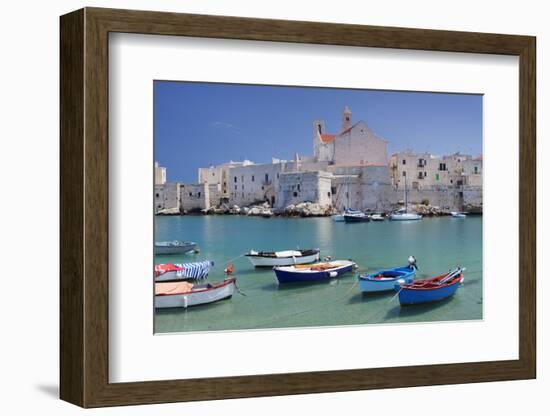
(437, 243)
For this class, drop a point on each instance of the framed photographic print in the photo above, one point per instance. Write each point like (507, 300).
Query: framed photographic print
(293, 207)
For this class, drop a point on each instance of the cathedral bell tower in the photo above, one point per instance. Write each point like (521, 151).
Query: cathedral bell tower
(346, 118)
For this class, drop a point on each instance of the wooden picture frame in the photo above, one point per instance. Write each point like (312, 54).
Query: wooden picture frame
(84, 207)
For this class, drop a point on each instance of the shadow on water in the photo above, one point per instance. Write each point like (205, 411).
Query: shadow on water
(192, 309)
(415, 310)
(366, 297)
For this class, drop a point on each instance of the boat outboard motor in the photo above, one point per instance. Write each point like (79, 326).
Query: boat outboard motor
(412, 262)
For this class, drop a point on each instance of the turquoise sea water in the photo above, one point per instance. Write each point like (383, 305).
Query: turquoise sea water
(438, 244)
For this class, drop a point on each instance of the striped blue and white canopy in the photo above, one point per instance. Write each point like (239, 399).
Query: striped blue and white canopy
(195, 270)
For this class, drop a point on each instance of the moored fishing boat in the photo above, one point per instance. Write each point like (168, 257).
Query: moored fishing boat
(174, 247)
(313, 272)
(385, 280)
(430, 290)
(282, 258)
(182, 271)
(185, 294)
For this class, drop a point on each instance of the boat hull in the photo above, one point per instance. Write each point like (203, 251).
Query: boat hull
(405, 217)
(291, 276)
(338, 218)
(400, 275)
(258, 261)
(356, 218)
(196, 297)
(413, 296)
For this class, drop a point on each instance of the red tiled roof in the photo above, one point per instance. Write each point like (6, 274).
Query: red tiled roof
(327, 138)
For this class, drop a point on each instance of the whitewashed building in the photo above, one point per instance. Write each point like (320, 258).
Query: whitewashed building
(160, 174)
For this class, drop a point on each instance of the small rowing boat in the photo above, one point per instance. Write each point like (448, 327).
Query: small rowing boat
(282, 258)
(385, 280)
(182, 271)
(174, 247)
(430, 290)
(313, 272)
(185, 294)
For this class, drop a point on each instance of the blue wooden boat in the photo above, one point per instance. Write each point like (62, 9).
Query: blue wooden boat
(430, 290)
(313, 272)
(385, 280)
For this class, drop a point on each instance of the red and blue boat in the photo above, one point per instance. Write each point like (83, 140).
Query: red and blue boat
(313, 272)
(430, 290)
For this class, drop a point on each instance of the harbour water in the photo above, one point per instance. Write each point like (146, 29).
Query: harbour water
(438, 243)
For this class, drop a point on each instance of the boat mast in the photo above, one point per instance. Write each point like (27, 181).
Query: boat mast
(406, 199)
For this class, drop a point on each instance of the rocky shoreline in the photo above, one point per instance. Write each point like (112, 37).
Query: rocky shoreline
(305, 210)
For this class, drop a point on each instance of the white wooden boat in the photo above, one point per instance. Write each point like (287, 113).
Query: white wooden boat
(182, 271)
(174, 247)
(338, 218)
(185, 294)
(282, 258)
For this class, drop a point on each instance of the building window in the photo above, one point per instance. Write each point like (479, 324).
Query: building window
(235, 179)
(437, 176)
(295, 194)
(235, 187)
(475, 170)
(252, 178)
(213, 174)
(157, 195)
(242, 178)
(266, 177)
(333, 189)
(277, 176)
(159, 206)
(328, 194)
(442, 166)
(404, 162)
(298, 186)
(262, 188)
(190, 193)
(404, 173)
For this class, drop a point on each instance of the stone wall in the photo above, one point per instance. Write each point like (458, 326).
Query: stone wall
(297, 187)
(167, 197)
(194, 197)
(360, 146)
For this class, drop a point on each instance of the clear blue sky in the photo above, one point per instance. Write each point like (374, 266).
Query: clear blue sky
(203, 124)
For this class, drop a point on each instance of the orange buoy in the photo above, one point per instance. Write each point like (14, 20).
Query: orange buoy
(229, 269)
